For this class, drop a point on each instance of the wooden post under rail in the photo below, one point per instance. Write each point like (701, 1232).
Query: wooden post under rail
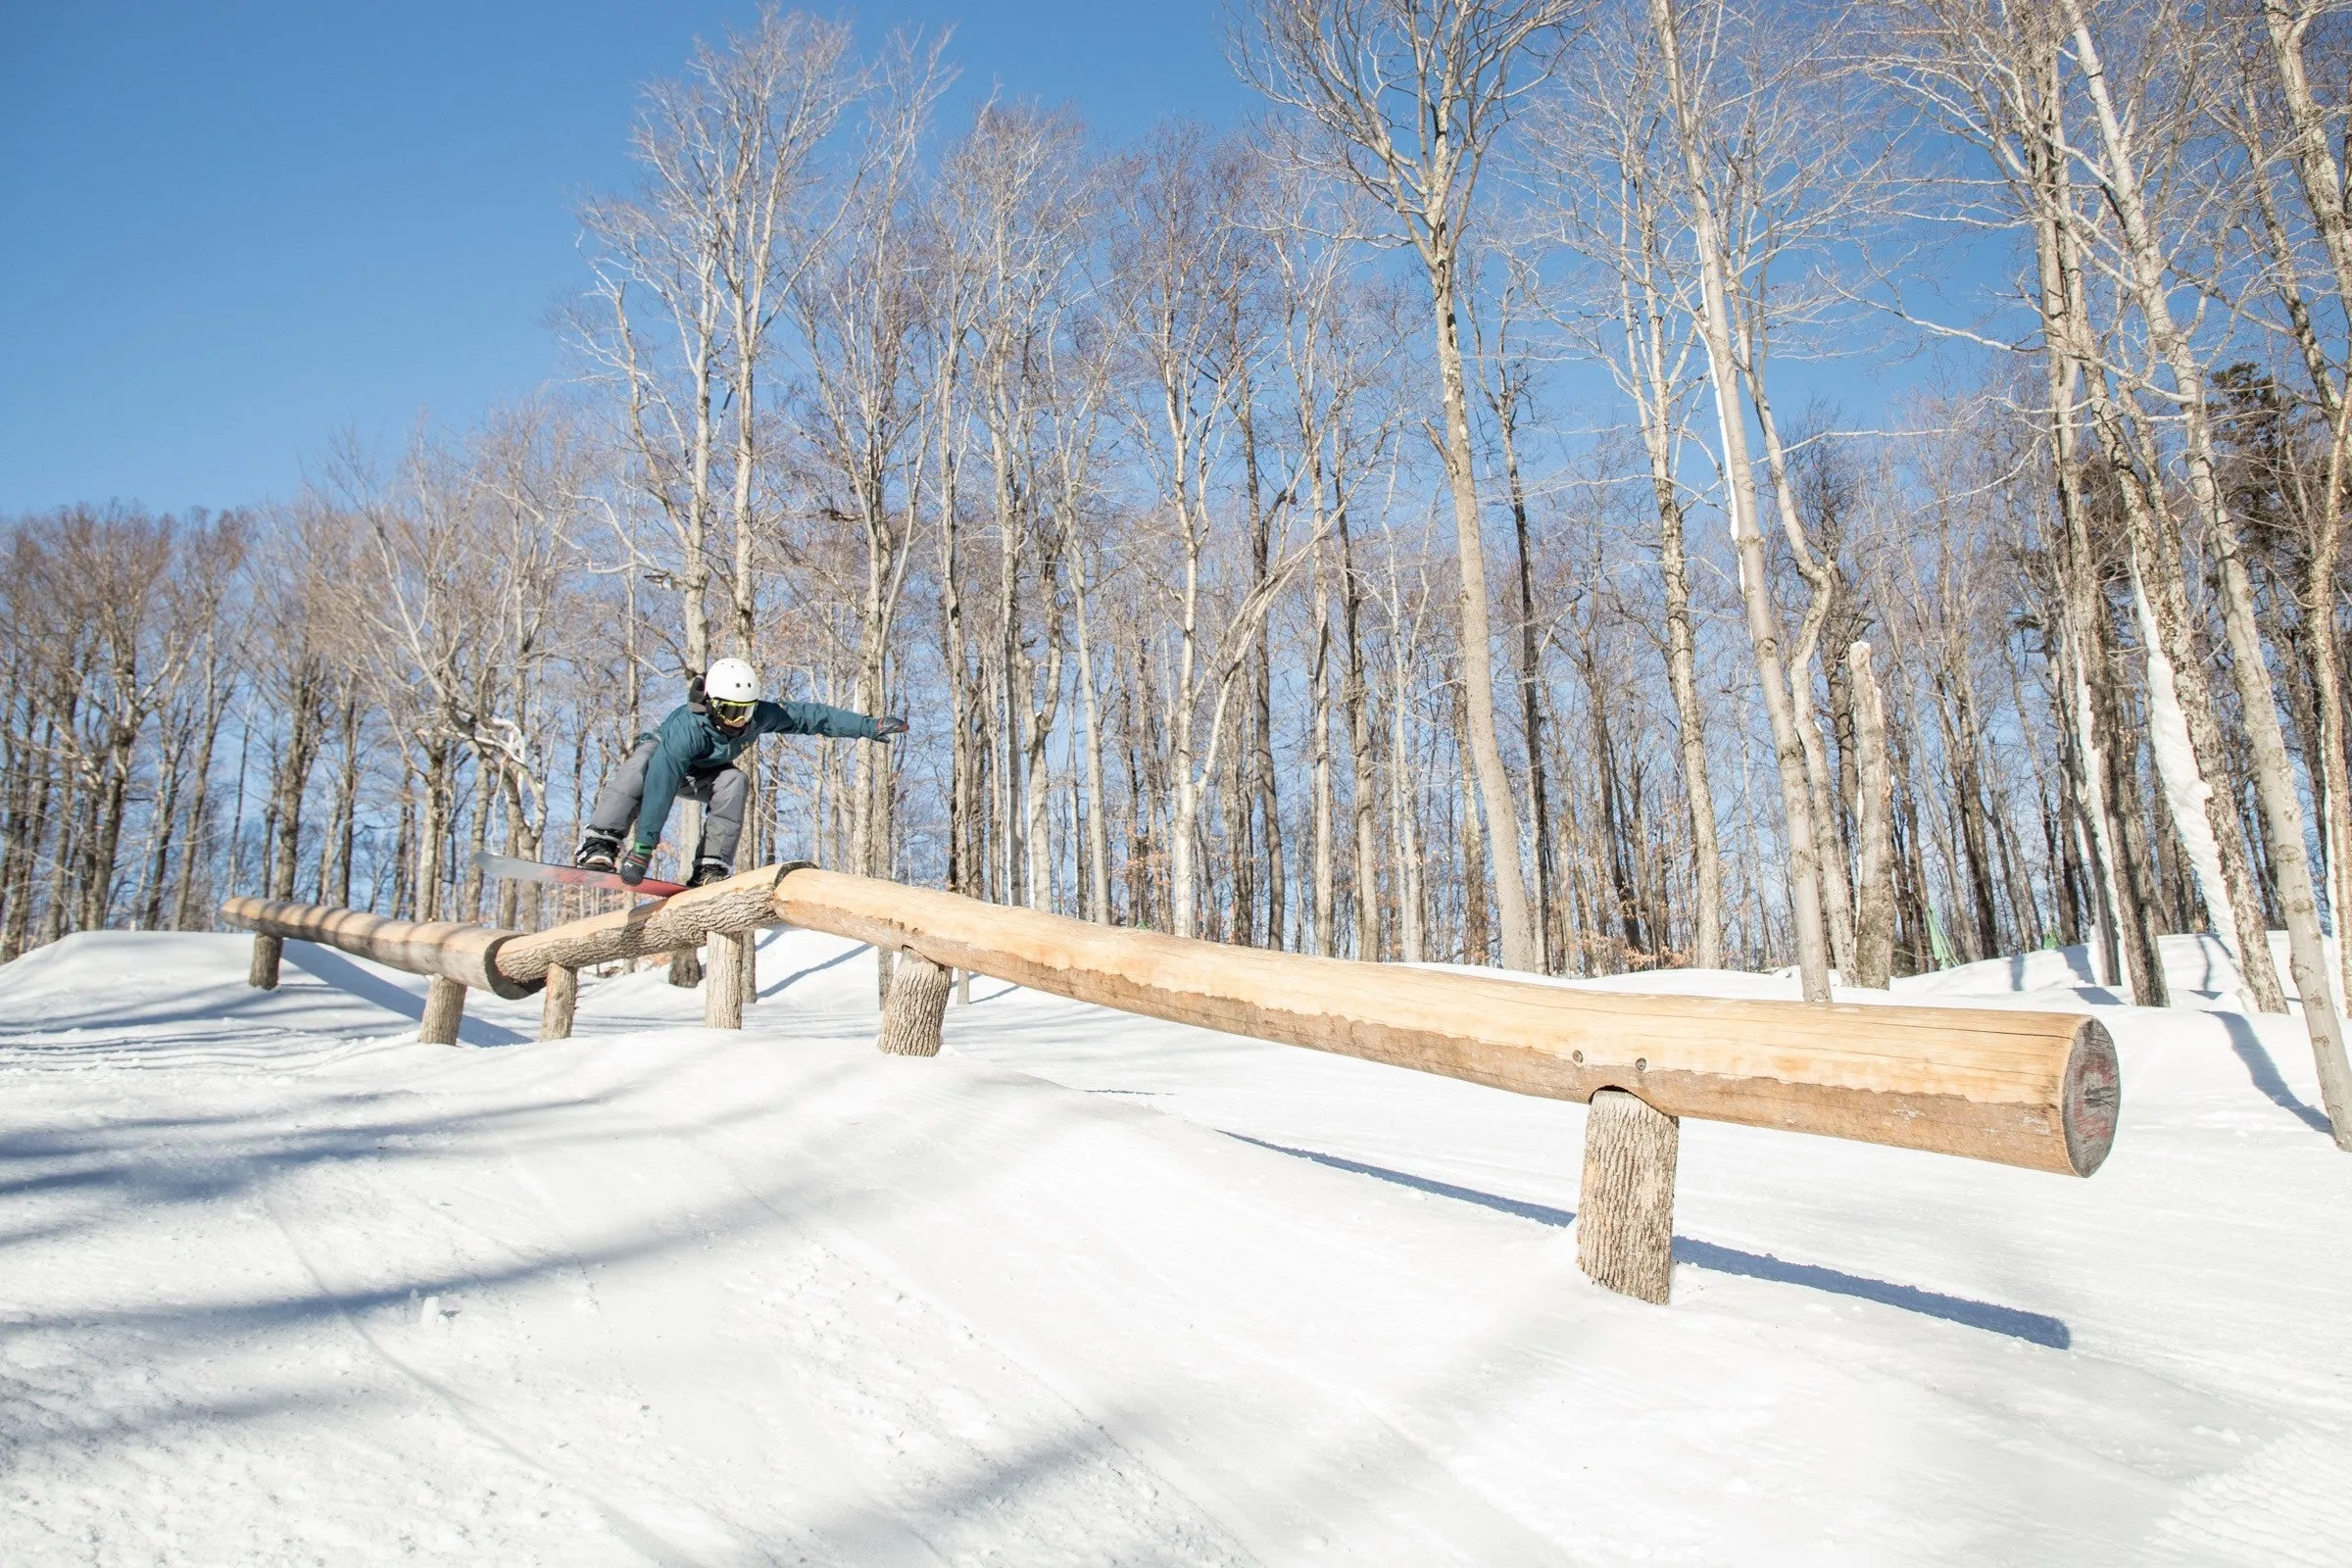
(444, 1011)
(559, 1003)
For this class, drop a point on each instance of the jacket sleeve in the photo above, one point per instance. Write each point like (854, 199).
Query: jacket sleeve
(815, 718)
(663, 776)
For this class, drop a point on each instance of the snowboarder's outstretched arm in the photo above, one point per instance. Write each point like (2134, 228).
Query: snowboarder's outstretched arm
(685, 742)
(816, 718)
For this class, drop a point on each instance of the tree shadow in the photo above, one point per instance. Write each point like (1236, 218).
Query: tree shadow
(2246, 1041)
(331, 968)
(2036, 1328)
(834, 963)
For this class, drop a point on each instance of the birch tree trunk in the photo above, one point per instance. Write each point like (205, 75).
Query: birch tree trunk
(2274, 779)
(1763, 619)
(1874, 850)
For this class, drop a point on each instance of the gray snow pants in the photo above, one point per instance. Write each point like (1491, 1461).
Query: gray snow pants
(723, 792)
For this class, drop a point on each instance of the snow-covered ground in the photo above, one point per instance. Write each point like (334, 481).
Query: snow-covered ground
(279, 1284)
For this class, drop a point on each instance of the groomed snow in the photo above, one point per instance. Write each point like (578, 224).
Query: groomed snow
(279, 1284)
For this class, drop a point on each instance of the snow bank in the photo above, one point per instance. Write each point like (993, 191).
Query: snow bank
(280, 1284)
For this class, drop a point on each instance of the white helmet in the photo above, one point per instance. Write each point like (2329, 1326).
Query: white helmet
(731, 680)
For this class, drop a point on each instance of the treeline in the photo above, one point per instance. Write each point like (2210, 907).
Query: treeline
(1416, 526)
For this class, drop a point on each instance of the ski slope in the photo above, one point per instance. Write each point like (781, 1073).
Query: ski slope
(279, 1284)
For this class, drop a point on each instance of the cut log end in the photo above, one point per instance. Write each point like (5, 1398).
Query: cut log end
(267, 951)
(917, 1006)
(559, 1003)
(2094, 1097)
(443, 1010)
(1625, 1215)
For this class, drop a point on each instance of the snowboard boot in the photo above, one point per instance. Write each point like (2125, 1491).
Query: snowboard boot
(599, 852)
(706, 871)
(634, 863)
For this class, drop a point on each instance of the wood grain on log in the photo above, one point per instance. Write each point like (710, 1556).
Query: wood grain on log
(559, 1003)
(1625, 1214)
(2038, 1090)
(443, 1010)
(917, 1006)
(262, 973)
(462, 952)
(723, 984)
(666, 925)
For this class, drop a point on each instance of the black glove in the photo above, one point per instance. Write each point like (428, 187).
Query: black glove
(633, 863)
(884, 728)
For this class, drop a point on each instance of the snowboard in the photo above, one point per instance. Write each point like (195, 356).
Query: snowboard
(507, 868)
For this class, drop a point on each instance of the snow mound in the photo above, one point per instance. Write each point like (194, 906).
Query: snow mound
(280, 1284)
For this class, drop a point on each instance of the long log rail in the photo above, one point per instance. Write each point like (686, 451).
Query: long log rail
(2035, 1090)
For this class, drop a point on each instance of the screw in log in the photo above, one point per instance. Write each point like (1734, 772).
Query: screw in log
(918, 1004)
(723, 984)
(266, 951)
(444, 1009)
(1625, 1215)
(559, 1002)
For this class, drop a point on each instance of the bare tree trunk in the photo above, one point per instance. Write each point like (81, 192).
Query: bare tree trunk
(1530, 679)
(1473, 848)
(1763, 619)
(1363, 766)
(1874, 859)
(2274, 780)
(1098, 816)
(1520, 950)
(2321, 179)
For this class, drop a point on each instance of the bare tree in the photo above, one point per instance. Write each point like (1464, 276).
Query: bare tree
(1409, 97)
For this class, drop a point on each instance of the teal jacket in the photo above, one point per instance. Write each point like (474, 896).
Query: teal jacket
(688, 743)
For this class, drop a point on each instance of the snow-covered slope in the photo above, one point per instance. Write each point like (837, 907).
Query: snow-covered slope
(279, 1284)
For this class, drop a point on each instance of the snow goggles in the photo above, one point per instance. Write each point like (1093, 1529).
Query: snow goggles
(727, 712)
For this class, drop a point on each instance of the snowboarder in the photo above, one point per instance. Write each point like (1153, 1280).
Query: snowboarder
(691, 754)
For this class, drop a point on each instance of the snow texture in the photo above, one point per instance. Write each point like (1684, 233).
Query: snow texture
(280, 1284)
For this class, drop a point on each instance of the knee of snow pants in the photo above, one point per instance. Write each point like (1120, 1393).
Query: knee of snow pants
(726, 791)
(616, 802)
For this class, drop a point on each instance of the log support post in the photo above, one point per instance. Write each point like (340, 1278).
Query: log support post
(747, 967)
(559, 1002)
(443, 1010)
(916, 1006)
(1625, 1214)
(266, 951)
(722, 983)
(686, 968)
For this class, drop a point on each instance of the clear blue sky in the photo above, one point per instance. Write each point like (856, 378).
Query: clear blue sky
(231, 232)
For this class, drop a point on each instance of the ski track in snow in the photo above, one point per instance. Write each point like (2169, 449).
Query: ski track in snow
(280, 1284)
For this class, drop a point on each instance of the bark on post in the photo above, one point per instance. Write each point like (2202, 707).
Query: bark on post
(443, 1010)
(266, 951)
(918, 1003)
(722, 985)
(1625, 1214)
(559, 1002)
(747, 964)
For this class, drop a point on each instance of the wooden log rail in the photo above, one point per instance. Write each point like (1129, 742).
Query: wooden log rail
(2036, 1090)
